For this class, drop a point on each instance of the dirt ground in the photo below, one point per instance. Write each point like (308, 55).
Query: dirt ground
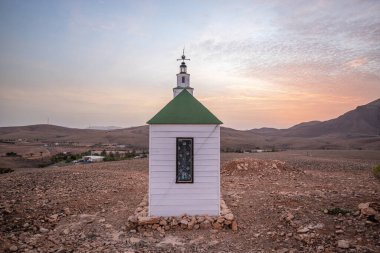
(294, 201)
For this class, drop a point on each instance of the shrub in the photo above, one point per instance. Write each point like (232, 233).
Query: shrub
(5, 170)
(376, 171)
(66, 157)
(109, 159)
(337, 210)
(12, 154)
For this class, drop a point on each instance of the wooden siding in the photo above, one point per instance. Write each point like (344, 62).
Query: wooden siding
(166, 197)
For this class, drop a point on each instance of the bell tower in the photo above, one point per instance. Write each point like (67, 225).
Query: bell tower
(183, 78)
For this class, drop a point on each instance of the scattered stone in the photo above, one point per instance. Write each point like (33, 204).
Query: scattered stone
(13, 248)
(134, 240)
(371, 210)
(163, 222)
(148, 234)
(44, 230)
(289, 217)
(234, 226)
(318, 226)
(132, 219)
(229, 216)
(54, 217)
(303, 230)
(320, 248)
(148, 220)
(205, 224)
(214, 231)
(343, 244)
(217, 225)
(66, 231)
(366, 209)
(66, 210)
(184, 222)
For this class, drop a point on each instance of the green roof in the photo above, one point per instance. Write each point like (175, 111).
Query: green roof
(184, 109)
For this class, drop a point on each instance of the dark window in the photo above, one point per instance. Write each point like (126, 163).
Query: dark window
(185, 161)
(183, 79)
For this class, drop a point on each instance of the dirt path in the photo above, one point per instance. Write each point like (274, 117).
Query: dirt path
(280, 207)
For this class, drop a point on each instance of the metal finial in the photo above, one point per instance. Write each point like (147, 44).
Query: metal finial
(183, 57)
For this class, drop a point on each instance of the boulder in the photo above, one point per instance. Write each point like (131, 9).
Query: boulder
(148, 220)
(184, 222)
(174, 222)
(217, 225)
(205, 224)
(200, 219)
(229, 216)
(220, 220)
(371, 210)
(366, 209)
(163, 222)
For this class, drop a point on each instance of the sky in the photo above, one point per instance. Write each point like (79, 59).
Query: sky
(253, 63)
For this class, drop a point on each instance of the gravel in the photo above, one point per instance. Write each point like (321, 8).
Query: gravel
(278, 200)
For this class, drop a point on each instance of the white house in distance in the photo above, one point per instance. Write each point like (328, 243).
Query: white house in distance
(93, 158)
(184, 155)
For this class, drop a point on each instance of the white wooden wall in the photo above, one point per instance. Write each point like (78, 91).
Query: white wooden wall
(166, 197)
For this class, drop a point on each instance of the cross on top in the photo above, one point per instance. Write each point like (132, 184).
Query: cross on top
(183, 57)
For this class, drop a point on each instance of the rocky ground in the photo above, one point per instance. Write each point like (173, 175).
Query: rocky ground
(283, 202)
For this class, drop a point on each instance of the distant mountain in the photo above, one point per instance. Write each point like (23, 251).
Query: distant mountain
(134, 136)
(306, 124)
(104, 127)
(364, 121)
(356, 129)
(265, 130)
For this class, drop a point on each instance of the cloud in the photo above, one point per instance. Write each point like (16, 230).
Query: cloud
(256, 63)
(357, 62)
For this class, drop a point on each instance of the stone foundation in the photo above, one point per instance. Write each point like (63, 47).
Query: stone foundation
(141, 222)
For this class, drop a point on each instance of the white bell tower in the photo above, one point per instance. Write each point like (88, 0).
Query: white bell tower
(183, 78)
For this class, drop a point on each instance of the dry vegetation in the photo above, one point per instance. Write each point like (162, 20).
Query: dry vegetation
(304, 201)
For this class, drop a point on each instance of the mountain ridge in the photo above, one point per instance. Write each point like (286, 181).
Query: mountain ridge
(355, 129)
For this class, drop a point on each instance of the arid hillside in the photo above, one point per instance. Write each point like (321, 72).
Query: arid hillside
(134, 136)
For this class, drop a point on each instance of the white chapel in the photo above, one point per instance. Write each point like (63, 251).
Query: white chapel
(184, 155)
